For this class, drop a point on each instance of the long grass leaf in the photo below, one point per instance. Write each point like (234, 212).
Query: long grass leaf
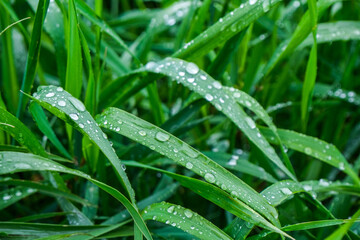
(174, 215)
(161, 141)
(19, 162)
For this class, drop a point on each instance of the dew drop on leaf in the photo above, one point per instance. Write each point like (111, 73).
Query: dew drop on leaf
(188, 213)
(162, 137)
(286, 191)
(77, 104)
(209, 177)
(170, 209)
(189, 165)
(250, 122)
(209, 97)
(74, 116)
(142, 133)
(192, 68)
(50, 94)
(62, 103)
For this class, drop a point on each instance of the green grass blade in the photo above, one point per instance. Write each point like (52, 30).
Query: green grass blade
(174, 215)
(216, 195)
(44, 126)
(189, 75)
(40, 216)
(19, 162)
(313, 147)
(33, 54)
(341, 231)
(20, 132)
(9, 81)
(159, 196)
(45, 189)
(308, 86)
(334, 31)
(73, 82)
(72, 111)
(316, 224)
(91, 15)
(225, 28)
(161, 141)
(13, 195)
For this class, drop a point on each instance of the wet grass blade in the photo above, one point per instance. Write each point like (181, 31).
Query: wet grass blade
(225, 28)
(44, 189)
(316, 224)
(189, 75)
(341, 231)
(174, 215)
(73, 111)
(13, 195)
(33, 55)
(20, 132)
(20, 162)
(219, 197)
(44, 126)
(313, 147)
(161, 141)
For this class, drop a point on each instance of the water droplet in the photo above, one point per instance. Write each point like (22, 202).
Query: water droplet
(342, 166)
(266, 5)
(59, 89)
(150, 65)
(117, 129)
(181, 74)
(18, 193)
(252, 2)
(217, 85)
(189, 165)
(142, 133)
(81, 125)
(188, 213)
(62, 103)
(6, 197)
(250, 122)
(22, 166)
(234, 194)
(191, 80)
(162, 137)
(286, 191)
(51, 94)
(203, 77)
(308, 150)
(237, 94)
(209, 97)
(209, 177)
(192, 68)
(170, 209)
(74, 116)
(77, 104)
(189, 152)
(104, 135)
(307, 188)
(248, 103)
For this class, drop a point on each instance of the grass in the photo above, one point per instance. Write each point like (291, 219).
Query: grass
(179, 119)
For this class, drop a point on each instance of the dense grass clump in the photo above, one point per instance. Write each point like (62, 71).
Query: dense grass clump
(167, 119)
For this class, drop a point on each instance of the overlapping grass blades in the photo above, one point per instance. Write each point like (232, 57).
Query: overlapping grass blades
(19, 162)
(161, 141)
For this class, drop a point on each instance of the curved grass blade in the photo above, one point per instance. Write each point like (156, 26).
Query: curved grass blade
(20, 162)
(45, 189)
(166, 144)
(314, 147)
(217, 196)
(13, 195)
(91, 15)
(159, 196)
(323, 90)
(189, 75)
(233, 162)
(72, 111)
(20, 132)
(334, 31)
(341, 231)
(40, 216)
(316, 224)
(42, 230)
(33, 54)
(44, 126)
(280, 191)
(225, 28)
(184, 219)
(302, 31)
